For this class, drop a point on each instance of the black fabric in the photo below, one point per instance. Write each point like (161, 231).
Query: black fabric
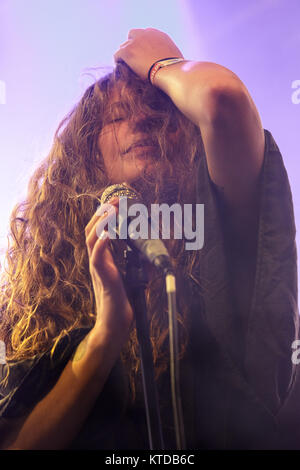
(250, 391)
(29, 380)
(231, 400)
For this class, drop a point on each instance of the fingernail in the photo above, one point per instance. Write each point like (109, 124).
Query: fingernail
(103, 235)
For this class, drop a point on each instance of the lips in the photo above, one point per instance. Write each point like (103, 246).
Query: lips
(141, 143)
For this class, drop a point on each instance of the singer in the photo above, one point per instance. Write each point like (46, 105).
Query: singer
(178, 131)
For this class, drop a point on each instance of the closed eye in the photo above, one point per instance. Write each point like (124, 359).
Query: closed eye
(115, 120)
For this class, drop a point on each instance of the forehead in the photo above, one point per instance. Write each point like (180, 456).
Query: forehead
(121, 97)
(135, 98)
(119, 91)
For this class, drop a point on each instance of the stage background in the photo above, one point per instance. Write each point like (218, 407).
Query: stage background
(47, 47)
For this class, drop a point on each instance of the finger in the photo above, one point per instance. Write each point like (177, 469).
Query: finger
(121, 54)
(91, 223)
(97, 232)
(124, 44)
(135, 32)
(97, 214)
(103, 264)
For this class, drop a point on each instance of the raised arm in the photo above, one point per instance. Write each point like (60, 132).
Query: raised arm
(216, 100)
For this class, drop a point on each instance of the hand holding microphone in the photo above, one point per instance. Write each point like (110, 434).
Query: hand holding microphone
(156, 253)
(113, 309)
(151, 249)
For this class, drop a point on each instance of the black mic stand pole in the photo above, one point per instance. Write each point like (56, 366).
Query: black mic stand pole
(136, 282)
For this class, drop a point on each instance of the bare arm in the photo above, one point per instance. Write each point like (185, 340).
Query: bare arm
(217, 101)
(55, 421)
(57, 418)
(233, 139)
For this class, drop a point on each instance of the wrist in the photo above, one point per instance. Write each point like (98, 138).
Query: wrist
(161, 63)
(109, 339)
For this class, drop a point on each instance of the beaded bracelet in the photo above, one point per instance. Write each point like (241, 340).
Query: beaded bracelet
(162, 63)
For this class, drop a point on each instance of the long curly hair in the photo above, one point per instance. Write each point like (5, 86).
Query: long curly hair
(46, 289)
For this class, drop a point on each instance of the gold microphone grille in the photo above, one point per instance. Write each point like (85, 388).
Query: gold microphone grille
(117, 190)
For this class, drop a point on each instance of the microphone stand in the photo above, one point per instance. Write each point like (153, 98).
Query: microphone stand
(136, 282)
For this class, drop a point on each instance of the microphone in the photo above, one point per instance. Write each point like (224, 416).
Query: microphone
(153, 250)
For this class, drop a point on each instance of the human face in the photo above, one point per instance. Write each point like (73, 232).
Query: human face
(127, 152)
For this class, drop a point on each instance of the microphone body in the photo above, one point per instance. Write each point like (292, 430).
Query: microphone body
(151, 249)
(156, 253)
